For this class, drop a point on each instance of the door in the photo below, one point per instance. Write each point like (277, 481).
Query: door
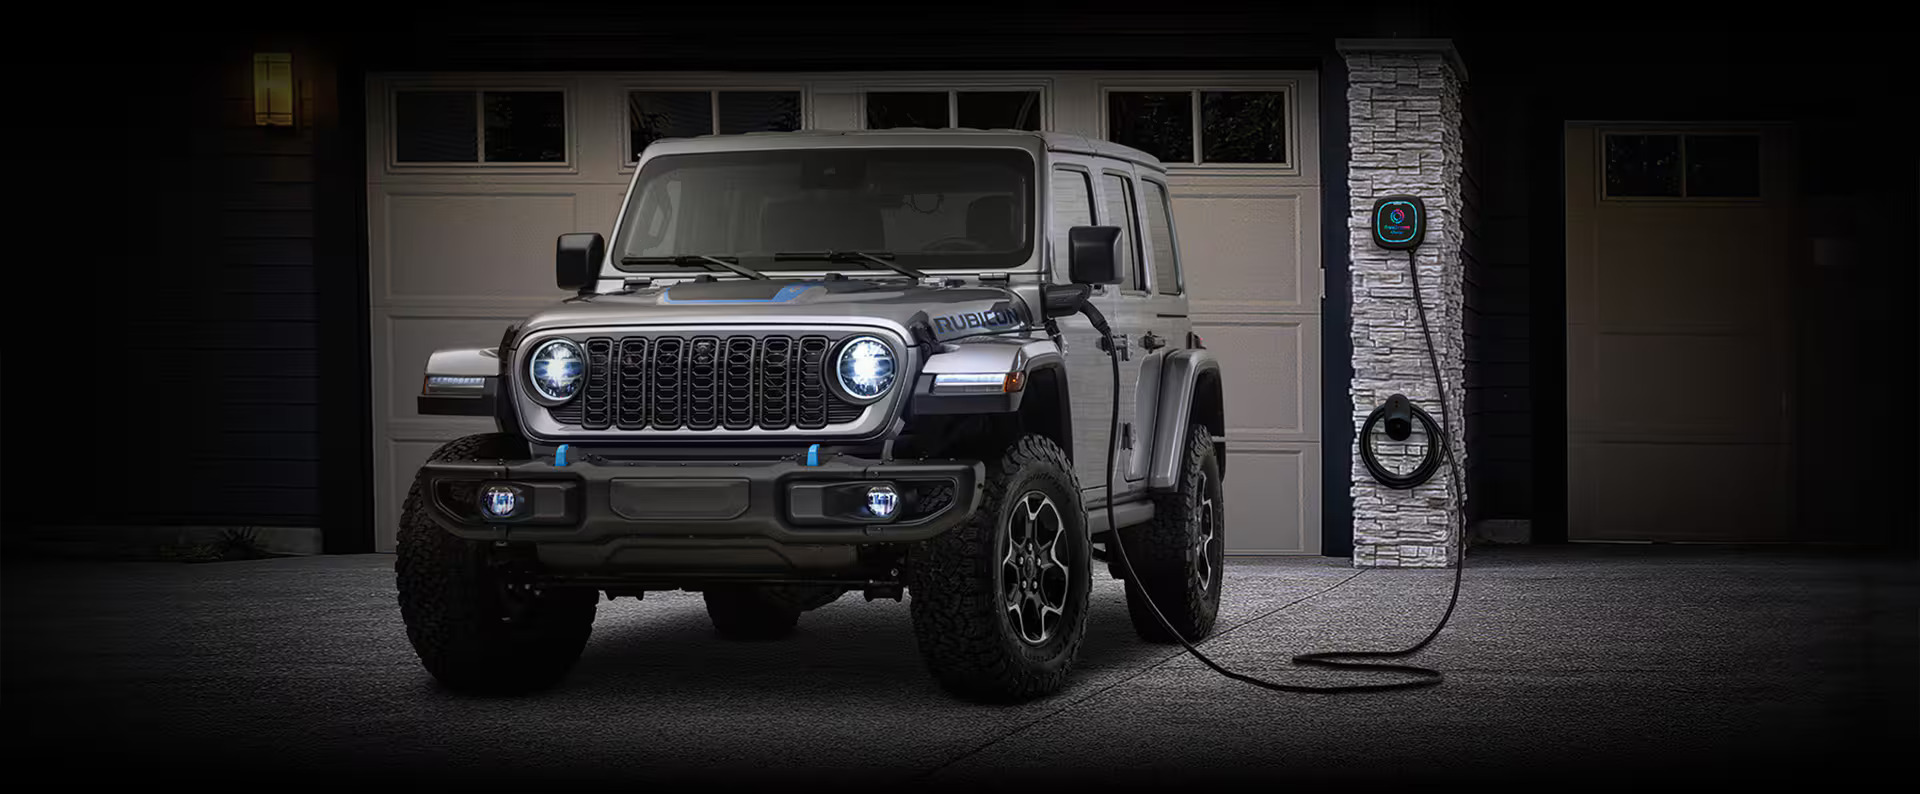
(1091, 385)
(1120, 206)
(1679, 334)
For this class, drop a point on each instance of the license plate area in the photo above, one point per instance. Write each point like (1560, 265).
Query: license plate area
(677, 498)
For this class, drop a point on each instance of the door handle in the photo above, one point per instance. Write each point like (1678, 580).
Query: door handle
(1152, 341)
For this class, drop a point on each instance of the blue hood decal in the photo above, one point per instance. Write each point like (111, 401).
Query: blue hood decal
(786, 294)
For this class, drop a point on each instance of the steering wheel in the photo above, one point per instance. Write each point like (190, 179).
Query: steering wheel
(955, 244)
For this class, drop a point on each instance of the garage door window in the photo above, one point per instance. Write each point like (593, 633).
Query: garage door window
(1713, 166)
(1203, 127)
(652, 115)
(985, 110)
(464, 126)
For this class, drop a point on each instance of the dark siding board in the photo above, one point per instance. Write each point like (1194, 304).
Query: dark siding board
(242, 446)
(231, 335)
(256, 280)
(267, 168)
(269, 252)
(271, 196)
(255, 224)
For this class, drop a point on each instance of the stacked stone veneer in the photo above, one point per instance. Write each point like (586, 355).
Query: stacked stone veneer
(1403, 113)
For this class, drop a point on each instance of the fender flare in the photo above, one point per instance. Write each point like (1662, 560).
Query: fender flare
(1181, 379)
(1029, 359)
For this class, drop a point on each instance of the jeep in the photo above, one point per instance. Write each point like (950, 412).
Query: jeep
(812, 363)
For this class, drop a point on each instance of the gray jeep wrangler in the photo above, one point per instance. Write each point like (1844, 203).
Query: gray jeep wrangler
(813, 363)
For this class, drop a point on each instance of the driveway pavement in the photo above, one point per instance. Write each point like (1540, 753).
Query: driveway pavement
(1585, 661)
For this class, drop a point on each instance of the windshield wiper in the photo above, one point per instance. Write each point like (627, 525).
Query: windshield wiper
(713, 262)
(881, 258)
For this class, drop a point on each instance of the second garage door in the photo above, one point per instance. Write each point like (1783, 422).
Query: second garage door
(471, 176)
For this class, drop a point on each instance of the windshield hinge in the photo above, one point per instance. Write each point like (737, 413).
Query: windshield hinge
(989, 278)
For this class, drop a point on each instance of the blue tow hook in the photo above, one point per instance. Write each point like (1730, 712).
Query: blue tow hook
(813, 455)
(560, 456)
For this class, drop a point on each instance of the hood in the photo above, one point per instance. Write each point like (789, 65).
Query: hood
(922, 313)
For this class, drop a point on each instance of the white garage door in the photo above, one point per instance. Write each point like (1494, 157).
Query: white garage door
(471, 176)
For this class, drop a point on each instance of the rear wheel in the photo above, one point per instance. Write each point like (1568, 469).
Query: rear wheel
(1177, 557)
(477, 623)
(741, 612)
(1000, 602)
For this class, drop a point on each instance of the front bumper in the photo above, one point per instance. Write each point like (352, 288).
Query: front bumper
(700, 516)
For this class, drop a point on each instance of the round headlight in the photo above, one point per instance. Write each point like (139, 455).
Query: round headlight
(556, 370)
(864, 368)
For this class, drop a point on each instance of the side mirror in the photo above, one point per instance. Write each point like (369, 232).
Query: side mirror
(1093, 254)
(576, 260)
(1063, 300)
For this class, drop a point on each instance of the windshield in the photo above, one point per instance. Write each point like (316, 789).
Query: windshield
(927, 209)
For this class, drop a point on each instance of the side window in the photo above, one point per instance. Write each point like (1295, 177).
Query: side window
(1119, 212)
(1166, 257)
(1072, 206)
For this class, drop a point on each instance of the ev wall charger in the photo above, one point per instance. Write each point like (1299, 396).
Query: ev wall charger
(1399, 222)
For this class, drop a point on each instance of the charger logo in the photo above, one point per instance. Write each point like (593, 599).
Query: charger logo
(995, 317)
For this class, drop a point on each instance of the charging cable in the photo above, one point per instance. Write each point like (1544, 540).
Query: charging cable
(1422, 676)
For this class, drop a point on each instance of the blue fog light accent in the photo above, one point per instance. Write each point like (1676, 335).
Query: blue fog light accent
(882, 500)
(500, 501)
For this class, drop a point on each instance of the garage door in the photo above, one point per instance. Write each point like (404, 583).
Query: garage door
(1679, 325)
(471, 176)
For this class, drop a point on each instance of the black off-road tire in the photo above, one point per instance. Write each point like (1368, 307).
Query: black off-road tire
(1165, 564)
(455, 604)
(742, 612)
(958, 604)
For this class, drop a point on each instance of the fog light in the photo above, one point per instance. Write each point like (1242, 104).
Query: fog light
(882, 500)
(500, 501)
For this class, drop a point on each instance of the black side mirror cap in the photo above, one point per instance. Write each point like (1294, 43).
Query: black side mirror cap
(1093, 254)
(1063, 300)
(576, 260)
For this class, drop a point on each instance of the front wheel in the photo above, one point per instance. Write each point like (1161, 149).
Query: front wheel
(474, 626)
(1000, 602)
(1177, 557)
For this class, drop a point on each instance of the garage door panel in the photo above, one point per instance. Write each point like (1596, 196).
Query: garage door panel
(1254, 254)
(1679, 492)
(1271, 371)
(480, 245)
(1715, 267)
(1686, 387)
(1273, 499)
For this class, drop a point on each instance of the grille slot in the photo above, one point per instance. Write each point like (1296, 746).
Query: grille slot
(596, 403)
(738, 382)
(632, 389)
(812, 413)
(742, 353)
(776, 382)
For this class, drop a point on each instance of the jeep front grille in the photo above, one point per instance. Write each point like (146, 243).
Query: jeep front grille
(707, 382)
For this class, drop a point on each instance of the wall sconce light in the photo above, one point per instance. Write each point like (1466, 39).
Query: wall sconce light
(273, 89)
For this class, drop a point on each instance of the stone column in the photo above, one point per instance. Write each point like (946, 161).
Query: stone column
(1403, 111)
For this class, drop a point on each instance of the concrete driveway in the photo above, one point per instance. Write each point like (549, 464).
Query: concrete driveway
(1586, 661)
